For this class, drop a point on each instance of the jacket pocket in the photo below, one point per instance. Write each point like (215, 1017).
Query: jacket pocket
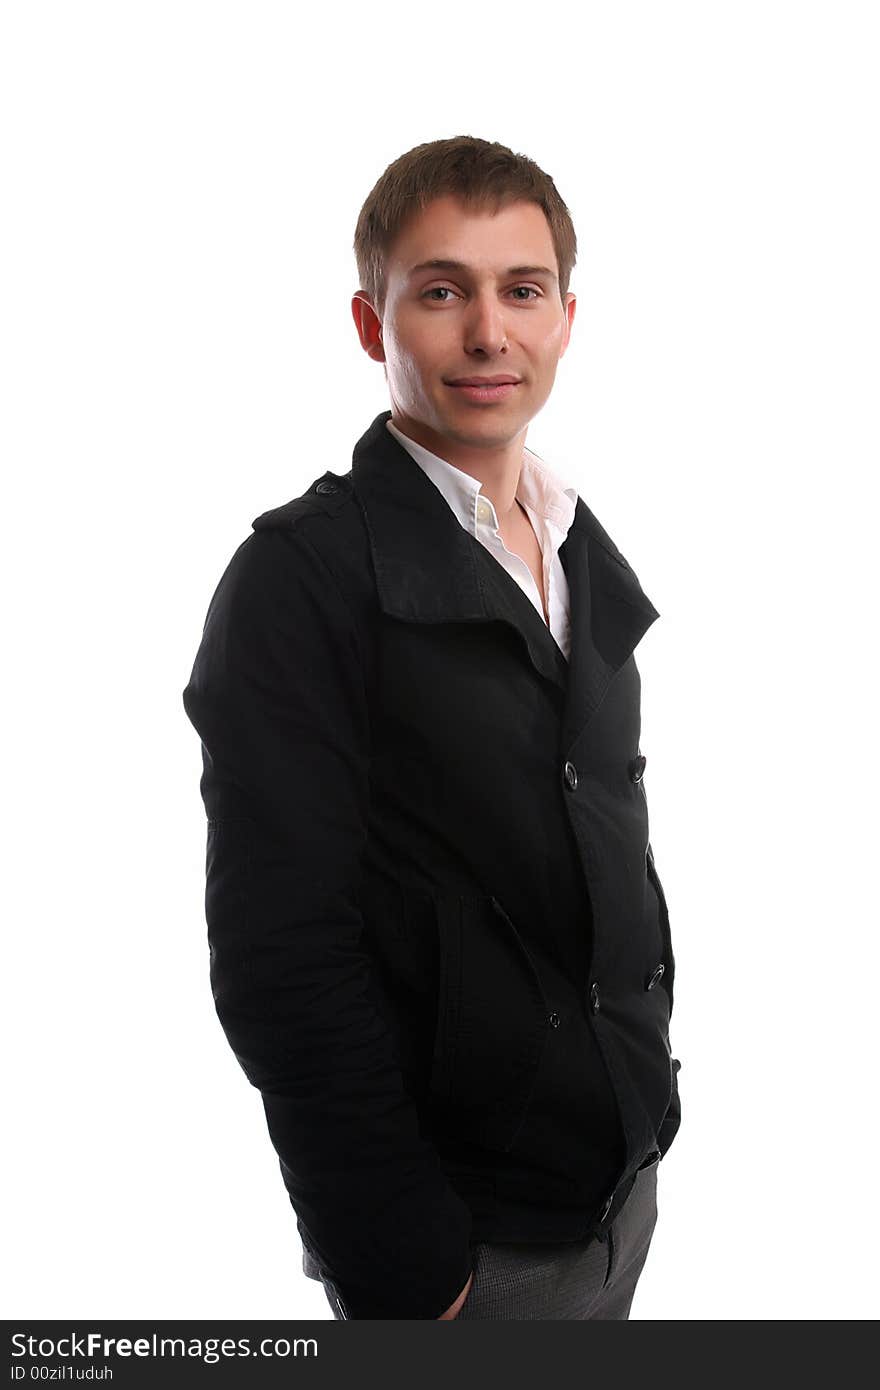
(492, 1019)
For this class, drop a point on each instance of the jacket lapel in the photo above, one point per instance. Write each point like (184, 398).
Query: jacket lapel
(430, 570)
(610, 615)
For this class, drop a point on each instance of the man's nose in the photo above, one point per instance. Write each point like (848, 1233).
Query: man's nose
(485, 328)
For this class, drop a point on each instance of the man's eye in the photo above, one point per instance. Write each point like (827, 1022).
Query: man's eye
(444, 289)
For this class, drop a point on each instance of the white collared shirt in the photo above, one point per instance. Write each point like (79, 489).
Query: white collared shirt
(548, 499)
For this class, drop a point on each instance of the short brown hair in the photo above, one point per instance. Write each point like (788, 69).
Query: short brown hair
(482, 173)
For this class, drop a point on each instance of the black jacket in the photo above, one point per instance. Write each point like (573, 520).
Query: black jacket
(438, 943)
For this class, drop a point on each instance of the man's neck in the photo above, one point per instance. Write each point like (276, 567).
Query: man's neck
(498, 468)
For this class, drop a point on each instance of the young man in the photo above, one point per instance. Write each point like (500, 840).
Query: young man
(439, 945)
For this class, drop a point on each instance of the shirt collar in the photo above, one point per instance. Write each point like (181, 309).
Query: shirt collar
(550, 496)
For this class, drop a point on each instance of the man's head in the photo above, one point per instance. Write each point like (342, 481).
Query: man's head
(502, 310)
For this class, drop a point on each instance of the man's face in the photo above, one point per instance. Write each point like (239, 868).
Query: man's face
(498, 312)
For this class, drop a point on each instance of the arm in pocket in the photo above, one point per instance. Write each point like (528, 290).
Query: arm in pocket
(277, 697)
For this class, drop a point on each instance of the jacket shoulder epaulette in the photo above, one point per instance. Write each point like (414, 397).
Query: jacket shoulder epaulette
(327, 494)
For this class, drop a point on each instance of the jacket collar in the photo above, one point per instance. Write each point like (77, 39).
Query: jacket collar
(551, 498)
(429, 569)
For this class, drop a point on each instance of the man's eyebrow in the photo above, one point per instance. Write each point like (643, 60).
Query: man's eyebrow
(438, 264)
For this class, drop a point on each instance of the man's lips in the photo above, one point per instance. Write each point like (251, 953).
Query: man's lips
(483, 391)
(484, 381)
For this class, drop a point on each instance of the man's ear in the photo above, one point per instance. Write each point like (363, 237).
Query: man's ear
(569, 309)
(368, 324)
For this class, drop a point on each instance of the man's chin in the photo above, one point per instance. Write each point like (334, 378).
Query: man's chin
(481, 422)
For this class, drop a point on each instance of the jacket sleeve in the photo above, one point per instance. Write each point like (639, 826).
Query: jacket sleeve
(671, 1122)
(277, 696)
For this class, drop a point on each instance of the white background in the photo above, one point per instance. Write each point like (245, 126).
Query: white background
(181, 184)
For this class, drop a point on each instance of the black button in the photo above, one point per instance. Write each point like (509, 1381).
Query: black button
(594, 997)
(570, 774)
(326, 487)
(554, 1020)
(655, 977)
(637, 767)
(607, 1207)
(653, 1157)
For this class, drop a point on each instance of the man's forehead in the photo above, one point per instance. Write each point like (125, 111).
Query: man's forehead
(441, 237)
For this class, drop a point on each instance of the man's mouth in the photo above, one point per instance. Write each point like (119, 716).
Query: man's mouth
(484, 388)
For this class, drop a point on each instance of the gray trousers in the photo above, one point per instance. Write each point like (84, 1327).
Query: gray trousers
(588, 1278)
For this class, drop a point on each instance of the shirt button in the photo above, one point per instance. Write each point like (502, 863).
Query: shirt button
(554, 1020)
(637, 767)
(594, 997)
(569, 772)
